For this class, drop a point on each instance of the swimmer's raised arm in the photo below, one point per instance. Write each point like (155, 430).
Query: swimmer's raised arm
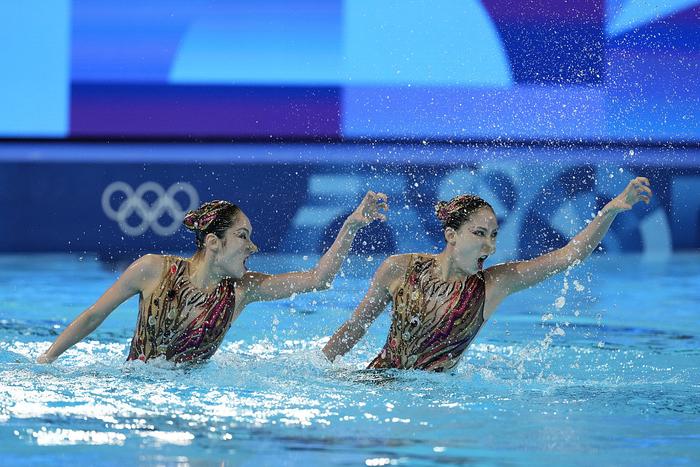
(505, 279)
(261, 287)
(375, 301)
(135, 279)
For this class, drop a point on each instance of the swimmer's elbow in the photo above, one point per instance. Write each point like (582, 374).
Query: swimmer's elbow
(320, 280)
(574, 252)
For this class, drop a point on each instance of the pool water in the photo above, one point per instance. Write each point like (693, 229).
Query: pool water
(597, 366)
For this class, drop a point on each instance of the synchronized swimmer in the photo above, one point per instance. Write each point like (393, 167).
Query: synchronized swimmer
(186, 306)
(440, 302)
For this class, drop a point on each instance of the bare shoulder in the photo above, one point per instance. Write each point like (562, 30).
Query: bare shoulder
(498, 272)
(495, 275)
(395, 265)
(144, 274)
(392, 271)
(150, 265)
(398, 261)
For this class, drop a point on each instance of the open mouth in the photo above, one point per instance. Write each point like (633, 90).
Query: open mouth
(481, 260)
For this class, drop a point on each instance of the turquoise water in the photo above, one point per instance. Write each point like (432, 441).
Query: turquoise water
(596, 366)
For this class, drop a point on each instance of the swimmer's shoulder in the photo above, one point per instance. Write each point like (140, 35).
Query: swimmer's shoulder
(148, 265)
(401, 263)
(393, 270)
(397, 264)
(147, 270)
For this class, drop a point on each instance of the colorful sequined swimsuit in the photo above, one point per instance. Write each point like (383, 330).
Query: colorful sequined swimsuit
(433, 321)
(179, 321)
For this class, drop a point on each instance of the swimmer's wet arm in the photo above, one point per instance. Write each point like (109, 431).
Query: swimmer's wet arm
(345, 338)
(374, 302)
(505, 279)
(131, 282)
(263, 287)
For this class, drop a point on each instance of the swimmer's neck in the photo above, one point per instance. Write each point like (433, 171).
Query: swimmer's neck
(203, 274)
(447, 267)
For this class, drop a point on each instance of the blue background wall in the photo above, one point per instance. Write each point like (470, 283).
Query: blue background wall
(121, 200)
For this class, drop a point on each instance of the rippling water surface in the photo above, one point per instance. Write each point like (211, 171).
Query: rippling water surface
(598, 366)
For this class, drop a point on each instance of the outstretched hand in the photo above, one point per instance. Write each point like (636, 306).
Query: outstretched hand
(637, 190)
(373, 207)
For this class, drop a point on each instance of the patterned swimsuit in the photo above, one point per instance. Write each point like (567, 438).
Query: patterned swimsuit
(179, 321)
(433, 321)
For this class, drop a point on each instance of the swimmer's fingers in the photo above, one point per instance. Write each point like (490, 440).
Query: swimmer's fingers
(632, 187)
(377, 201)
(382, 205)
(370, 207)
(643, 180)
(644, 193)
(377, 214)
(382, 197)
(371, 198)
(382, 202)
(644, 190)
(637, 190)
(376, 196)
(640, 182)
(640, 191)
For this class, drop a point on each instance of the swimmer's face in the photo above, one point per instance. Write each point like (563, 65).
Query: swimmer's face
(474, 241)
(235, 248)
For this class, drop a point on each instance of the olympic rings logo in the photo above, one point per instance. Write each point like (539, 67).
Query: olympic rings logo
(135, 206)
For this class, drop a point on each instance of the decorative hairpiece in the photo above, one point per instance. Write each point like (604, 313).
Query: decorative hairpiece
(201, 219)
(441, 211)
(462, 204)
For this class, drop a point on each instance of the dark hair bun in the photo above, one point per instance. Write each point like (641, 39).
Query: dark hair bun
(455, 212)
(200, 219)
(190, 220)
(441, 211)
(212, 217)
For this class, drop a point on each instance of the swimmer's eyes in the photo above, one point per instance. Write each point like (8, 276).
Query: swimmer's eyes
(481, 233)
(243, 235)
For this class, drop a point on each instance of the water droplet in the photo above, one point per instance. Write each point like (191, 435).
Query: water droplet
(559, 303)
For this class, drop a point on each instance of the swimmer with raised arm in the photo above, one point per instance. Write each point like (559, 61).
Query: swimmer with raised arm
(442, 301)
(187, 305)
